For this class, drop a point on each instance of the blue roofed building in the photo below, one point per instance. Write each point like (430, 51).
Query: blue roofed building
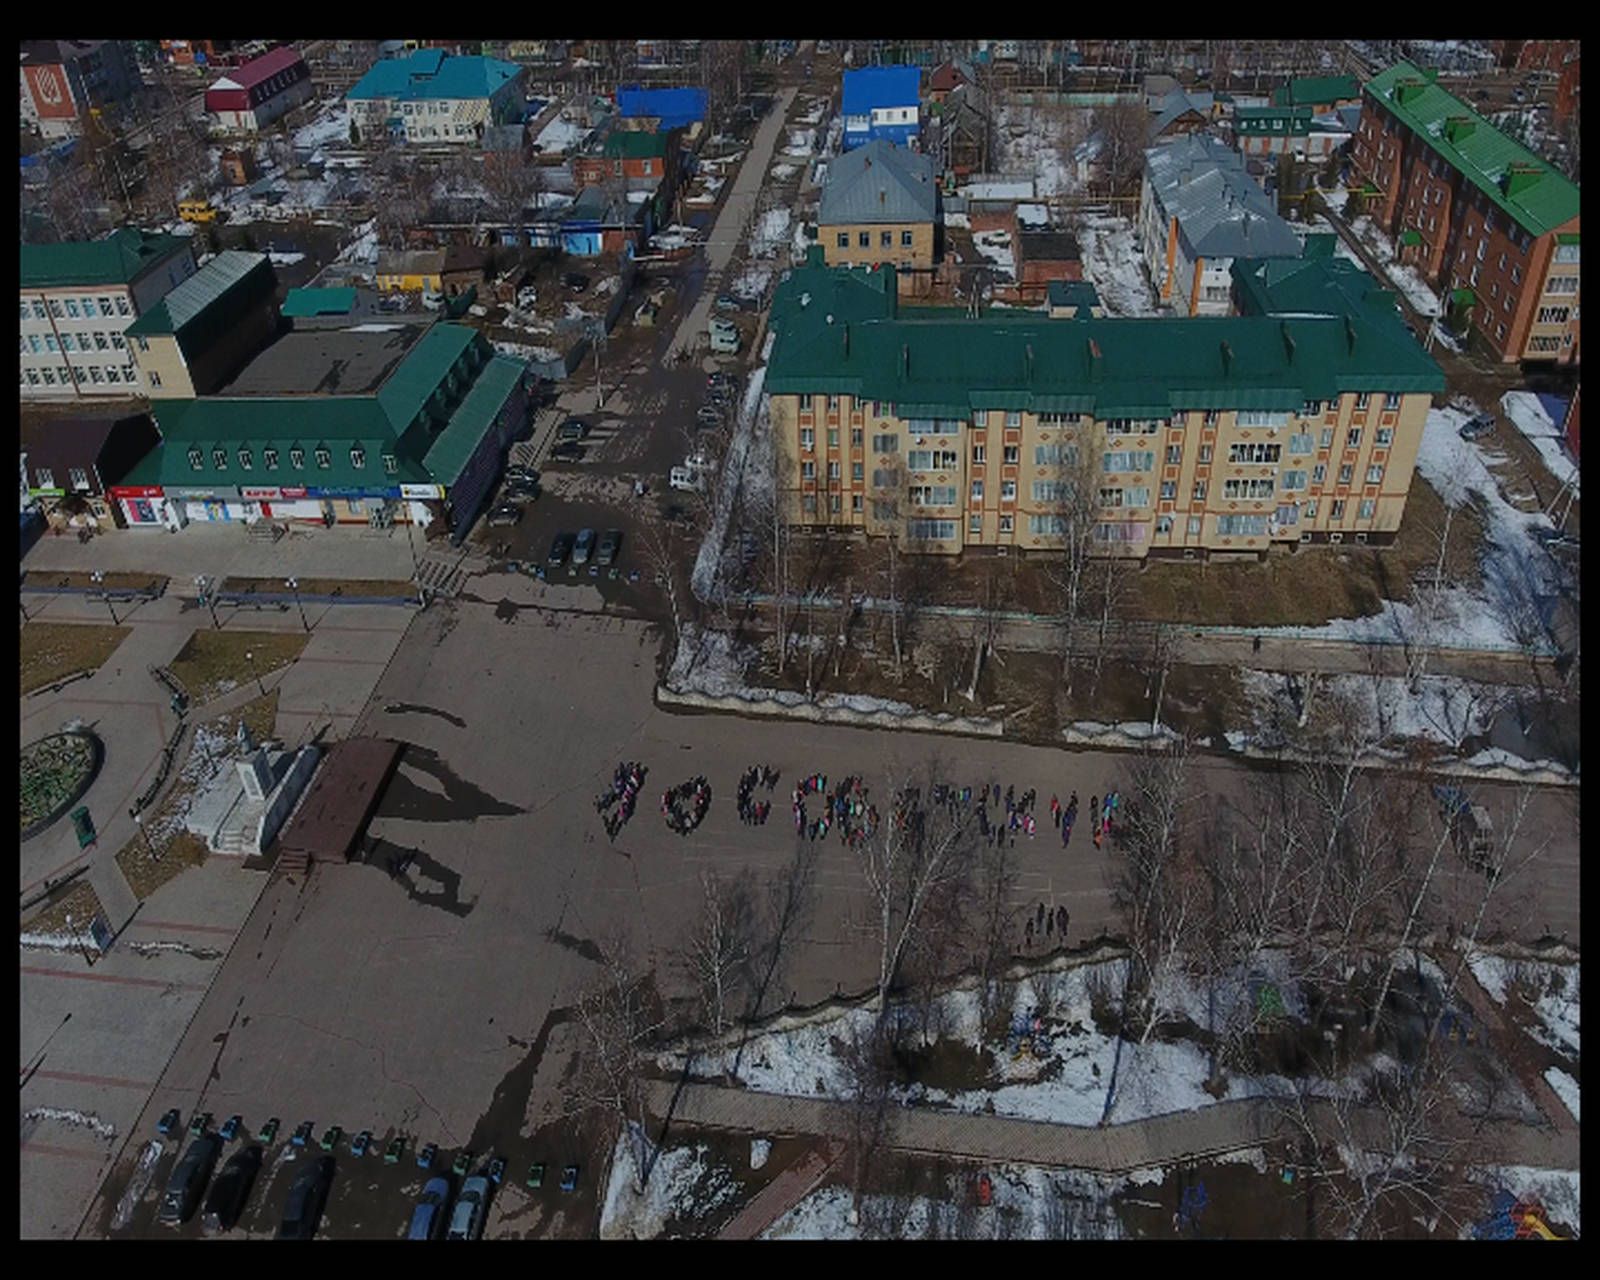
(882, 103)
(661, 109)
(431, 98)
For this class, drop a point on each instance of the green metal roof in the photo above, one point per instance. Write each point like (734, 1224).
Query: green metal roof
(459, 440)
(634, 144)
(1316, 286)
(220, 294)
(1538, 197)
(120, 258)
(301, 303)
(1314, 90)
(421, 373)
(1126, 367)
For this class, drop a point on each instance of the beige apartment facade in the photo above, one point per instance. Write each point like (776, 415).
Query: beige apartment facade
(901, 244)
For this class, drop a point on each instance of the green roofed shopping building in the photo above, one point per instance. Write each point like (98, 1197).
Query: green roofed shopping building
(1185, 438)
(1488, 224)
(372, 424)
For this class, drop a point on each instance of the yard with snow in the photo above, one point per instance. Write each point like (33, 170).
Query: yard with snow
(1112, 263)
(1528, 415)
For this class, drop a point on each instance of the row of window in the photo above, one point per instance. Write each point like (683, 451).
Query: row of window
(1113, 426)
(97, 341)
(44, 478)
(1239, 454)
(60, 375)
(1228, 526)
(78, 308)
(297, 458)
(864, 239)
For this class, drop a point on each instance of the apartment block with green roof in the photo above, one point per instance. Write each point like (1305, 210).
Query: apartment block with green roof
(1182, 438)
(78, 299)
(1490, 225)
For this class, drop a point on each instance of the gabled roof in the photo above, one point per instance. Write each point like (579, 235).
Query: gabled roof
(410, 262)
(879, 182)
(1313, 91)
(1175, 106)
(219, 293)
(1318, 285)
(430, 73)
(870, 87)
(453, 447)
(677, 108)
(121, 258)
(1220, 211)
(260, 70)
(59, 443)
(1538, 197)
(947, 75)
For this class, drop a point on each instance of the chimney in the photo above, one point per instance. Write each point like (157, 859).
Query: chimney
(905, 360)
(883, 195)
(1288, 342)
(1350, 334)
(1027, 363)
(1227, 357)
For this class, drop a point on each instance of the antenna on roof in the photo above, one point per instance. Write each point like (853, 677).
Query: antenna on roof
(1027, 362)
(1288, 341)
(1227, 356)
(846, 327)
(1350, 333)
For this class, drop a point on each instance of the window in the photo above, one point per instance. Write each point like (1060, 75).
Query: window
(975, 524)
(834, 503)
(246, 461)
(885, 239)
(1199, 491)
(1516, 275)
(1326, 439)
(1361, 399)
(1111, 497)
(143, 344)
(930, 530)
(1195, 525)
(977, 491)
(857, 472)
(1050, 491)
(980, 454)
(1499, 331)
(1128, 460)
(100, 342)
(833, 404)
(935, 426)
(1211, 418)
(808, 439)
(155, 378)
(1300, 443)
(1008, 491)
(1554, 315)
(1174, 454)
(1260, 418)
(1311, 510)
(886, 443)
(1055, 455)
(1391, 400)
(69, 342)
(1059, 419)
(1008, 523)
(1122, 531)
(1163, 524)
(1241, 526)
(1287, 514)
(297, 458)
(1319, 473)
(1047, 526)
(33, 377)
(808, 470)
(38, 311)
(933, 495)
(805, 404)
(324, 457)
(196, 459)
(45, 477)
(269, 458)
(1169, 490)
(855, 437)
(980, 417)
(864, 239)
(358, 457)
(885, 477)
(50, 342)
(855, 503)
(1292, 480)
(833, 437)
(1375, 474)
(118, 342)
(905, 239)
(1337, 511)
(1345, 474)
(72, 308)
(1205, 454)
(76, 478)
(1247, 488)
(1567, 253)
(1254, 453)
(34, 344)
(1543, 343)
(833, 470)
(1352, 438)
(88, 309)
(1365, 510)
(808, 504)
(1139, 496)
(1384, 437)
(1011, 454)
(1013, 418)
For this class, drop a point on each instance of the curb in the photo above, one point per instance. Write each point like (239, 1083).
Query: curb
(769, 703)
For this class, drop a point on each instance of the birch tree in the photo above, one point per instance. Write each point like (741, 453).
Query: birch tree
(719, 946)
(1075, 507)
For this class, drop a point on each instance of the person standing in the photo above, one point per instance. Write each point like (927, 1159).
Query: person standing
(1055, 810)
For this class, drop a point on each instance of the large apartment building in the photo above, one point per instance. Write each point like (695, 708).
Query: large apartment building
(78, 299)
(1195, 437)
(1483, 219)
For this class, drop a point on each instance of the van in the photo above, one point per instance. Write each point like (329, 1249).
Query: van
(724, 336)
(197, 211)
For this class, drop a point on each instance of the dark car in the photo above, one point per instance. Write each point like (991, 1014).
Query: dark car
(571, 429)
(521, 473)
(505, 513)
(560, 549)
(1552, 538)
(727, 302)
(429, 1217)
(519, 491)
(466, 1219)
(231, 1190)
(189, 1179)
(610, 542)
(568, 451)
(303, 1209)
(1473, 428)
(583, 547)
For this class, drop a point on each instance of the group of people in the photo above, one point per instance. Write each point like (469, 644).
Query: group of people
(624, 793)
(684, 806)
(1045, 923)
(755, 812)
(1018, 814)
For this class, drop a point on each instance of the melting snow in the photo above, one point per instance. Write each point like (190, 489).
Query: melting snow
(1530, 418)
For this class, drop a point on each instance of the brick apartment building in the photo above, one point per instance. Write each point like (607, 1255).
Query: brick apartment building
(1483, 219)
(1204, 436)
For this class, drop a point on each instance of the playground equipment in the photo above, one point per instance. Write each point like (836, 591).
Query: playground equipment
(1513, 1219)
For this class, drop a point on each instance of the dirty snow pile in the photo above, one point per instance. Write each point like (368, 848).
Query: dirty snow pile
(996, 247)
(676, 236)
(1554, 988)
(1444, 709)
(752, 281)
(522, 351)
(285, 259)
(752, 442)
(1034, 142)
(1403, 277)
(1111, 262)
(1529, 416)
(331, 126)
(683, 1184)
(709, 662)
(770, 231)
(81, 1119)
(1566, 1088)
(783, 172)
(51, 941)
(1033, 215)
(802, 142)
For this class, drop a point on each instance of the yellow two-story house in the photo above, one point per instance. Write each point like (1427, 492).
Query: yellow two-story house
(879, 205)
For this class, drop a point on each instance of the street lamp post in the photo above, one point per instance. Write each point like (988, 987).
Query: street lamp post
(294, 585)
(206, 599)
(411, 546)
(250, 658)
(98, 577)
(149, 844)
(77, 936)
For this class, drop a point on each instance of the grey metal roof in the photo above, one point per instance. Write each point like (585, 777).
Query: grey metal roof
(1221, 213)
(879, 182)
(1175, 104)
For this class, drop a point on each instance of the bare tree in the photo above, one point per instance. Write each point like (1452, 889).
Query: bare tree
(996, 594)
(1123, 127)
(1110, 589)
(997, 881)
(659, 560)
(719, 945)
(868, 1065)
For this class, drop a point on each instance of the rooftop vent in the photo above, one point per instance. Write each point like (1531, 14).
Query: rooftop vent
(1459, 128)
(1288, 342)
(1350, 334)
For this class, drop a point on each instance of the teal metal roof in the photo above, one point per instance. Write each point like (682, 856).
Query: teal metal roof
(1516, 180)
(219, 293)
(430, 73)
(422, 374)
(1125, 367)
(301, 303)
(459, 440)
(120, 258)
(1315, 90)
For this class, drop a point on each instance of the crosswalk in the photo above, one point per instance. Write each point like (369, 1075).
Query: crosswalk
(439, 577)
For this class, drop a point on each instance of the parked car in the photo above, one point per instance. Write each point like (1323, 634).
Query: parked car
(727, 302)
(583, 548)
(520, 491)
(1553, 539)
(505, 513)
(571, 429)
(521, 471)
(569, 1178)
(1473, 428)
(230, 1129)
(707, 416)
(466, 1219)
(560, 549)
(231, 1189)
(568, 451)
(610, 542)
(189, 1179)
(303, 1209)
(428, 1218)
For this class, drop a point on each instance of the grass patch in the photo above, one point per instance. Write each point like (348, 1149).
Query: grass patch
(80, 902)
(213, 662)
(176, 847)
(154, 582)
(52, 650)
(353, 587)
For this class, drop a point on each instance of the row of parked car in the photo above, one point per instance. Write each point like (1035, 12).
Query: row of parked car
(302, 1210)
(582, 545)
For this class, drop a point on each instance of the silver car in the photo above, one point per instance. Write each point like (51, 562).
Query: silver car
(466, 1219)
(583, 547)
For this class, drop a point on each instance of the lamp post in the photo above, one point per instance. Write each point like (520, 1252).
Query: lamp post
(149, 844)
(294, 585)
(250, 658)
(77, 936)
(411, 546)
(206, 598)
(98, 577)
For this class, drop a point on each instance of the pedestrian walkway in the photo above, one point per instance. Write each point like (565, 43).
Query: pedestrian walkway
(780, 1195)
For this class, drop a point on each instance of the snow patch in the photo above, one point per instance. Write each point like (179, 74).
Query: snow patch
(1529, 416)
(682, 1184)
(82, 1119)
(1566, 1089)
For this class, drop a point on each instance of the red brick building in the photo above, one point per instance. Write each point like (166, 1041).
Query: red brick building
(1533, 55)
(1487, 223)
(1567, 90)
